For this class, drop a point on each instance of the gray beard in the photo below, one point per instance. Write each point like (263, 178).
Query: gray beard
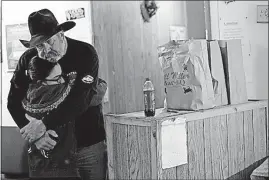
(57, 58)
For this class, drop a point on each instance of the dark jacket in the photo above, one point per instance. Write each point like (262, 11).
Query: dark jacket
(38, 103)
(83, 59)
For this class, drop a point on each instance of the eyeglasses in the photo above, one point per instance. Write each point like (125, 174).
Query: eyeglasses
(49, 41)
(56, 79)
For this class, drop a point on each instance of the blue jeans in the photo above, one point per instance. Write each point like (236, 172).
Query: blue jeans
(92, 162)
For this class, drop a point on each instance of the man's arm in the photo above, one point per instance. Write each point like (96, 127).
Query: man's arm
(18, 87)
(80, 96)
(75, 103)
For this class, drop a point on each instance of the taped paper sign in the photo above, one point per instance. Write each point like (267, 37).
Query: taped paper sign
(75, 14)
(174, 143)
(178, 33)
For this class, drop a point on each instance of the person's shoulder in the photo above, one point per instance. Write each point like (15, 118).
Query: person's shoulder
(82, 46)
(28, 55)
(71, 77)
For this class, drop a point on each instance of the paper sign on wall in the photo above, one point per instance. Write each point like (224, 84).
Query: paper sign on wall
(14, 47)
(75, 14)
(174, 143)
(178, 33)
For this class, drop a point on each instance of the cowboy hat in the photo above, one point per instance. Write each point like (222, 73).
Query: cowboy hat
(42, 26)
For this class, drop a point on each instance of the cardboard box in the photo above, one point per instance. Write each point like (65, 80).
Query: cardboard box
(217, 72)
(231, 51)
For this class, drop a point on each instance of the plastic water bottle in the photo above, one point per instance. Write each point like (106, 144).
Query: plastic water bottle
(149, 98)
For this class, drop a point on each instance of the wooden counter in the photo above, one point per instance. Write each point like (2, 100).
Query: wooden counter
(220, 142)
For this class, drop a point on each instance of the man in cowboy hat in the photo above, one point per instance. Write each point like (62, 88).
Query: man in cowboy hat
(48, 42)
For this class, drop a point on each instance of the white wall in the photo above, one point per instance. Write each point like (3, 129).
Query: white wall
(254, 37)
(196, 19)
(170, 13)
(16, 12)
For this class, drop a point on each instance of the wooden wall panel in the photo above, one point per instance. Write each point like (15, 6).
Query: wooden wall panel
(196, 154)
(104, 60)
(101, 33)
(127, 49)
(235, 142)
(131, 150)
(109, 141)
(219, 147)
(139, 152)
(229, 142)
(120, 151)
(208, 150)
(249, 138)
(219, 140)
(259, 126)
(169, 173)
(152, 67)
(216, 147)
(183, 171)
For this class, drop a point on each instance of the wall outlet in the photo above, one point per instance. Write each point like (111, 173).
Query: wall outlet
(262, 13)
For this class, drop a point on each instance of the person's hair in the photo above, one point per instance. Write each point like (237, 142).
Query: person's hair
(39, 69)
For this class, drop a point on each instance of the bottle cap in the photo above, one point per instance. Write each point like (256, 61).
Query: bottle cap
(147, 79)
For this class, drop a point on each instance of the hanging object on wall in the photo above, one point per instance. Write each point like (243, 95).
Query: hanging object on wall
(148, 9)
(262, 14)
(227, 2)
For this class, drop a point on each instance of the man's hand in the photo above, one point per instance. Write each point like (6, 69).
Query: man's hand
(33, 130)
(45, 142)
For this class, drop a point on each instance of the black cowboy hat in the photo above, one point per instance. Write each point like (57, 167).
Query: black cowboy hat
(42, 26)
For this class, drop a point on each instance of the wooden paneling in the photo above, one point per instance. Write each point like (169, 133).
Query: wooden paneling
(127, 48)
(182, 172)
(235, 142)
(259, 126)
(196, 154)
(219, 146)
(170, 173)
(208, 149)
(139, 152)
(120, 151)
(103, 53)
(109, 141)
(154, 161)
(216, 147)
(131, 149)
(249, 138)
(152, 68)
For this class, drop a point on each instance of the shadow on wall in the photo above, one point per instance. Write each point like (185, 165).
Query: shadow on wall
(261, 70)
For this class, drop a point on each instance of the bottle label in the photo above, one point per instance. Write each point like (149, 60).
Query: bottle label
(149, 100)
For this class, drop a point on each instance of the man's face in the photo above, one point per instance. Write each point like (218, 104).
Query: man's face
(53, 49)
